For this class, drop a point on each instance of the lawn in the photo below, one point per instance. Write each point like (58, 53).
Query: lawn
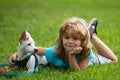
(43, 18)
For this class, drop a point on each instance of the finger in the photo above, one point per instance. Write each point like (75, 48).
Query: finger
(77, 49)
(10, 62)
(80, 48)
(71, 52)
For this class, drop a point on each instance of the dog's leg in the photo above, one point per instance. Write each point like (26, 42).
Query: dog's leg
(20, 52)
(31, 64)
(42, 60)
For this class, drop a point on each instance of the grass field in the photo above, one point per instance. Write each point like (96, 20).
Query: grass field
(43, 18)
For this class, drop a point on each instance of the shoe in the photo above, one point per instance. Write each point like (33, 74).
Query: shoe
(92, 26)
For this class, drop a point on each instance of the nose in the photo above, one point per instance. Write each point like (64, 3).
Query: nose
(70, 40)
(35, 50)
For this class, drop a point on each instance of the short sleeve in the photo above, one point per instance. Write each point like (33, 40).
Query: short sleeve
(50, 53)
(90, 56)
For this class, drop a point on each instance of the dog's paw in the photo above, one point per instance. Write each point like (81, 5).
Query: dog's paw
(29, 71)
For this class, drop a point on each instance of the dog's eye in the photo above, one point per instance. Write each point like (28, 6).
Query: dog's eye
(29, 44)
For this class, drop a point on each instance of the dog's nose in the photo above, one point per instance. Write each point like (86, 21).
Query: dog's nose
(35, 50)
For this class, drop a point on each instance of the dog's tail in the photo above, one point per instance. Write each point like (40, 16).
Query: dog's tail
(4, 69)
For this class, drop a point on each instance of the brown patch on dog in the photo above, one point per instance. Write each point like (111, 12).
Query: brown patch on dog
(23, 36)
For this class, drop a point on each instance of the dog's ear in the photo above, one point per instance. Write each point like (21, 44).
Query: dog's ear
(23, 36)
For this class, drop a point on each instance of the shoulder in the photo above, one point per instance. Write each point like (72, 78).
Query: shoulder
(50, 50)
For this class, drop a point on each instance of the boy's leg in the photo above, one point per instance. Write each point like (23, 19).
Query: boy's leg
(103, 49)
(100, 60)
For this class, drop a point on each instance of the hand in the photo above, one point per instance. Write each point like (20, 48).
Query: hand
(76, 50)
(12, 58)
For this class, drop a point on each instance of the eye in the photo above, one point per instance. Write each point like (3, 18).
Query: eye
(75, 38)
(66, 37)
(29, 44)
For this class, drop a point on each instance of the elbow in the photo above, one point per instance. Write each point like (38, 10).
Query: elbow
(78, 69)
(83, 68)
(75, 69)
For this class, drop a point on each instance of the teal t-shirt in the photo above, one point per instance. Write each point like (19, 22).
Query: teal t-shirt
(53, 59)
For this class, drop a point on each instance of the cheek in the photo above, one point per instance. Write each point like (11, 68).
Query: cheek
(78, 43)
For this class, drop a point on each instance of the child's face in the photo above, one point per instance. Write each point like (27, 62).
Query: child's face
(70, 42)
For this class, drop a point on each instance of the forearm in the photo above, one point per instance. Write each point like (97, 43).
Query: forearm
(14, 55)
(73, 63)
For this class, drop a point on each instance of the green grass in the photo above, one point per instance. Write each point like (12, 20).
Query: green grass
(43, 18)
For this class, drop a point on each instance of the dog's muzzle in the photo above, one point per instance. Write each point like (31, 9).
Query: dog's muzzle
(35, 50)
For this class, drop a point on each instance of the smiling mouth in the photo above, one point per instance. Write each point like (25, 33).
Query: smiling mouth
(70, 46)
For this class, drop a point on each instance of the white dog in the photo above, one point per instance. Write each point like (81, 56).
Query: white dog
(26, 46)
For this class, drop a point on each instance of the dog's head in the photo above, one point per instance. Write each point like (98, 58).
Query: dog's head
(27, 43)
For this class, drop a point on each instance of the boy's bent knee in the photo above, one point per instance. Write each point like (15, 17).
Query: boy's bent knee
(115, 61)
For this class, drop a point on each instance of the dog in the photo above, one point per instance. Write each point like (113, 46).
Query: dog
(26, 46)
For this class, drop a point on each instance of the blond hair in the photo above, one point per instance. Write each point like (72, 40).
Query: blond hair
(77, 27)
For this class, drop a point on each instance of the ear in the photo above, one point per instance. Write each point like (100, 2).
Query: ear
(23, 36)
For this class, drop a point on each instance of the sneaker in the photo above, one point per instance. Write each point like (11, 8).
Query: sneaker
(92, 25)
